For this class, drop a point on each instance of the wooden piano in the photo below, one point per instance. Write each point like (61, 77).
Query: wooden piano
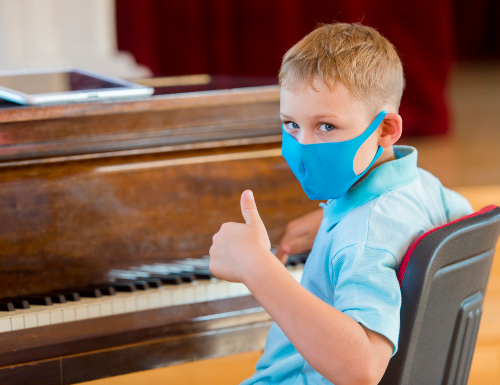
(88, 189)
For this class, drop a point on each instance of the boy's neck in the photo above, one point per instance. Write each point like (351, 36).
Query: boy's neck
(387, 156)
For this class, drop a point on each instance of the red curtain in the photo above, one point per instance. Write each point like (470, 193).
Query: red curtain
(250, 37)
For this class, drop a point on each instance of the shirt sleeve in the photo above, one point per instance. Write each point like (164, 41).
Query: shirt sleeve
(367, 290)
(456, 205)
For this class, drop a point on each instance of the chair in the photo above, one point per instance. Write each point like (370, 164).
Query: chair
(443, 280)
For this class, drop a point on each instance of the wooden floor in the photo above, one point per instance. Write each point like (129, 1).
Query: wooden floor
(467, 161)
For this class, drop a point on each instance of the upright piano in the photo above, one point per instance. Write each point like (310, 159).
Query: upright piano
(91, 191)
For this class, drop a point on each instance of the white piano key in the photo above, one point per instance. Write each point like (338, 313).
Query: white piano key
(142, 302)
(155, 299)
(118, 305)
(5, 324)
(230, 290)
(240, 289)
(69, 314)
(188, 295)
(106, 308)
(56, 316)
(212, 294)
(43, 318)
(30, 320)
(94, 310)
(177, 296)
(200, 291)
(81, 312)
(223, 289)
(82, 308)
(296, 273)
(234, 289)
(166, 297)
(130, 304)
(17, 322)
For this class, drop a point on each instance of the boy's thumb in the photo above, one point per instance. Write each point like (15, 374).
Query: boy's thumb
(249, 209)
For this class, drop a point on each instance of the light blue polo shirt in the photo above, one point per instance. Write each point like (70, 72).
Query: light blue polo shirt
(362, 239)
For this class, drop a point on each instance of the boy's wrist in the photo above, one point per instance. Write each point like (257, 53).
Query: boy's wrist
(262, 269)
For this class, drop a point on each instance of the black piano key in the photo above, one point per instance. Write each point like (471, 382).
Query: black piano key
(57, 298)
(69, 295)
(169, 279)
(187, 277)
(203, 274)
(89, 292)
(106, 288)
(128, 287)
(18, 303)
(184, 277)
(303, 257)
(7, 306)
(141, 284)
(290, 263)
(162, 270)
(293, 260)
(41, 300)
(154, 282)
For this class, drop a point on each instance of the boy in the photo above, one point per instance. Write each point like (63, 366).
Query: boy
(340, 91)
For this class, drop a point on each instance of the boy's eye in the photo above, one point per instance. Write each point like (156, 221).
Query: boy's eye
(326, 127)
(292, 126)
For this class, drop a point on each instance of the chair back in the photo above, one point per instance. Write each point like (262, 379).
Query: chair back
(443, 279)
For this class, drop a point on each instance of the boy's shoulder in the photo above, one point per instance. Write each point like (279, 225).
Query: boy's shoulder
(394, 219)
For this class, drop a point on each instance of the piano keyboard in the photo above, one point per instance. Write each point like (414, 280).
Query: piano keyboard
(136, 289)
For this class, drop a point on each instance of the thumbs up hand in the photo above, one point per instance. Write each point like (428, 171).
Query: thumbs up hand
(238, 248)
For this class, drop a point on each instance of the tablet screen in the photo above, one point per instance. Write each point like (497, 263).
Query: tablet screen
(55, 82)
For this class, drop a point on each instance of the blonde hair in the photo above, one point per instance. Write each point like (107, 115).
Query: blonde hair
(354, 55)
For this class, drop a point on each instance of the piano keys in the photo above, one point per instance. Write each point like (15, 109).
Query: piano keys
(52, 308)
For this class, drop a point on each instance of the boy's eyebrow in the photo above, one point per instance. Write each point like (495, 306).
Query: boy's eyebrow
(321, 116)
(316, 116)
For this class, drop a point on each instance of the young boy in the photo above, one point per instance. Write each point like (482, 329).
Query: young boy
(341, 87)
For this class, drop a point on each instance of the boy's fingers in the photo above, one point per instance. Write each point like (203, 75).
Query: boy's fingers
(293, 246)
(249, 209)
(282, 255)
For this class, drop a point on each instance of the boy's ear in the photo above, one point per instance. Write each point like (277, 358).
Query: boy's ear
(391, 129)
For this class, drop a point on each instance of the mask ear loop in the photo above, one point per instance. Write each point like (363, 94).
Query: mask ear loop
(365, 135)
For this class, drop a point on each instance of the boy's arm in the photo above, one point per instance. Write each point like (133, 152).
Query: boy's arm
(338, 347)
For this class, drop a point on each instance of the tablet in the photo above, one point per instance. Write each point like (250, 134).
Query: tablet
(65, 85)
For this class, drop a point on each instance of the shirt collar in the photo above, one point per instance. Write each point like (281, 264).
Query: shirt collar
(382, 179)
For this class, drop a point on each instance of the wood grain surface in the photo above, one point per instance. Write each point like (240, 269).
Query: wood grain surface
(98, 186)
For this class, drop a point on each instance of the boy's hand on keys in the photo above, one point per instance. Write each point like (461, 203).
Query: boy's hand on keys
(299, 235)
(239, 247)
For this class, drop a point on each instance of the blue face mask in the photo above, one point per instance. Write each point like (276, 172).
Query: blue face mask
(325, 170)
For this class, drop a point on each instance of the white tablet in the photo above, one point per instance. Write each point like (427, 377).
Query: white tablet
(65, 85)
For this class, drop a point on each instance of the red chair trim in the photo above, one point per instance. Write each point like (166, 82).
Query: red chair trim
(406, 259)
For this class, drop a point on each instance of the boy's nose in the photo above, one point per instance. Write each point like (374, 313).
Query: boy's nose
(307, 137)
